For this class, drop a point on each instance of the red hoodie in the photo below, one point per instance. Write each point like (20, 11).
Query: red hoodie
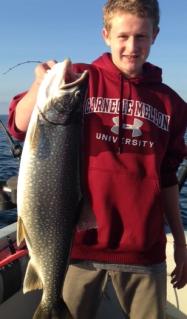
(133, 143)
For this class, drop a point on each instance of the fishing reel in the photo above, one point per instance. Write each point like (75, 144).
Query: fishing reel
(15, 147)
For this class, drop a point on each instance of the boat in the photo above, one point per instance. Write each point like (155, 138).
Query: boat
(13, 262)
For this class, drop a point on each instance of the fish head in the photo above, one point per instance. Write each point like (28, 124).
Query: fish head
(62, 93)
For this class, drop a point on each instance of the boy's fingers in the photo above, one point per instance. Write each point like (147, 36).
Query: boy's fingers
(178, 277)
(42, 68)
(51, 63)
(177, 273)
(48, 64)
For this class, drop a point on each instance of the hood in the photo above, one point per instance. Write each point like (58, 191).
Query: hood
(151, 73)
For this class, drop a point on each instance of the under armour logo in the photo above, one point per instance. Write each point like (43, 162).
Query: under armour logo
(135, 127)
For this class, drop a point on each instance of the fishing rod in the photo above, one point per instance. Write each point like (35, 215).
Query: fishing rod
(16, 148)
(19, 64)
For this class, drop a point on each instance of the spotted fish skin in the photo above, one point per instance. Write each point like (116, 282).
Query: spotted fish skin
(49, 185)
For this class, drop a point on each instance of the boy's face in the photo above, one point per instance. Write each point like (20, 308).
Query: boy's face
(130, 39)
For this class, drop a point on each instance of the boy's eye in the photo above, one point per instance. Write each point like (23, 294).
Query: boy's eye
(122, 36)
(141, 36)
(137, 37)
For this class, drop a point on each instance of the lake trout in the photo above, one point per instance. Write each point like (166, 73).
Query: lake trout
(49, 185)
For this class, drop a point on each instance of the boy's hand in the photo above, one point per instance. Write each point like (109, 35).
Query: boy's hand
(41, 69)
(179, 274)
(26, 104)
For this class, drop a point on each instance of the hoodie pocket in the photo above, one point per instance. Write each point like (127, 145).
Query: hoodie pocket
(129, 206)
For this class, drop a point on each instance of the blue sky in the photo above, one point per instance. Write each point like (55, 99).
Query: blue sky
(43, 30)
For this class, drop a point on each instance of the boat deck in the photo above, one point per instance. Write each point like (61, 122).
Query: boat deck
(23, 306)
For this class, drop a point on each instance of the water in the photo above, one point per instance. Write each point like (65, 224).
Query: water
(9, 167)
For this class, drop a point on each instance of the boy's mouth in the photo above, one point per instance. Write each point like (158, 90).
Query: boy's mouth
(131, 58)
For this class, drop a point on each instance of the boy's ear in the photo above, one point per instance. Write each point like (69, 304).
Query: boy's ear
(156, 32)
(106, 36)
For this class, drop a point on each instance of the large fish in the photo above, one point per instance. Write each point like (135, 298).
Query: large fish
(49, 185)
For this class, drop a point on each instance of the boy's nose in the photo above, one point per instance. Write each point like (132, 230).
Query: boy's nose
(131, 44)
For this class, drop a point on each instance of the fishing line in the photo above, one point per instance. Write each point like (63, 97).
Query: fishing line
(18, 64)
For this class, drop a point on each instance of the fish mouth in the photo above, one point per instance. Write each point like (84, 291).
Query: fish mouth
(71, 78)
(64, 91)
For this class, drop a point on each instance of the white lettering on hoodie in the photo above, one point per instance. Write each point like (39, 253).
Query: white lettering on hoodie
(137, 109)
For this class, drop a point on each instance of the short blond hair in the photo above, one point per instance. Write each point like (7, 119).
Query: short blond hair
(141, 8)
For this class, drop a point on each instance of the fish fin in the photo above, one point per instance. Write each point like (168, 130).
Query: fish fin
(20, 231)
(22, 234)
(34, 136)
(59, 311)
(39, 139)
(32, 280)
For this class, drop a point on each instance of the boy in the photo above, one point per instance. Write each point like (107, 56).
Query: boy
(134, 127)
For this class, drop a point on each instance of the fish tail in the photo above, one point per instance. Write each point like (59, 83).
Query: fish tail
(58, 312)
(32, 280)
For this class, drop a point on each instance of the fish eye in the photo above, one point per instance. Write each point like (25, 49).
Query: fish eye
(78, 95)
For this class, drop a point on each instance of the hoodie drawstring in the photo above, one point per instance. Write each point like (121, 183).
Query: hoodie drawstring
(120, 114)
(121, 111)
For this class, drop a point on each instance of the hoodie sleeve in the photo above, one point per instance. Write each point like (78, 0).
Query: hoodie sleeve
(14, 131)
(177, 149)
